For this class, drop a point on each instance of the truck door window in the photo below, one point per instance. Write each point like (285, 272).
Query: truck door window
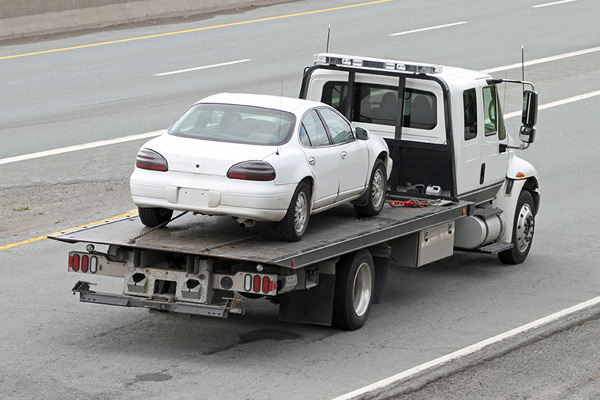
(470, 110)
(377, 104)
(312, 132)
(490, 113)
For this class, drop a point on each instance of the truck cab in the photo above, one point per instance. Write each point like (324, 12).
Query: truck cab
(446, 133)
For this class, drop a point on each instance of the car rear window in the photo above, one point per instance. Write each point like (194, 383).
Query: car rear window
(235, 124)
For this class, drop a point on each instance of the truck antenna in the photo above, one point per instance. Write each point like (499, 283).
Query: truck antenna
(328, 34)
(523, 65)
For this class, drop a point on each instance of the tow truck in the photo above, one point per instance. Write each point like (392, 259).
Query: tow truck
(457, 185)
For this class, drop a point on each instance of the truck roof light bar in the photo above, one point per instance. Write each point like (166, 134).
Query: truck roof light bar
(376, 63)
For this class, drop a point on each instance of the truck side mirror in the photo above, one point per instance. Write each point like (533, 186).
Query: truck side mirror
(529, 116)
(361, 133)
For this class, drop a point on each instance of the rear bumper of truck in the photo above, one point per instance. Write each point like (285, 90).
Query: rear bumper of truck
(159, 303)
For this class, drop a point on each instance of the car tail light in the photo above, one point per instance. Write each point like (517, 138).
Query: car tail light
(252, 171)
(149, 159)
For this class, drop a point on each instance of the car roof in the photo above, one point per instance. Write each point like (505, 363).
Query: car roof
(289, 104)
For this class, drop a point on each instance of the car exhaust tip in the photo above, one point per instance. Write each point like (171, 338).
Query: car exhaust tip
(246, 223)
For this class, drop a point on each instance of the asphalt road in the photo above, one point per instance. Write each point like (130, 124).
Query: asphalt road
(55, 347)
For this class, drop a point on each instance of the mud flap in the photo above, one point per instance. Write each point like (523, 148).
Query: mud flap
(312, 306)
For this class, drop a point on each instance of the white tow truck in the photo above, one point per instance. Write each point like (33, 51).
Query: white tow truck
(456, 184)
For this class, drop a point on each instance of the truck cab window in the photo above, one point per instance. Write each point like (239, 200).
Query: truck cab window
(470, 113)
(377, 104)
(490, 113)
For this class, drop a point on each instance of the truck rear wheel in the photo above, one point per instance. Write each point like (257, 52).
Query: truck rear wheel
(523, 229)
(154, 216)
(354, 283)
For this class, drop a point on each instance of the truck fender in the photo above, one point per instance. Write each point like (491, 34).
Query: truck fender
(507, 201)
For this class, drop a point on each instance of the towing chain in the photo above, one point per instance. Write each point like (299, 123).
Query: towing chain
(133, 239)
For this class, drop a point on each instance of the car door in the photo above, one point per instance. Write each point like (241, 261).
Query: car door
(322, 157)
(353, 153)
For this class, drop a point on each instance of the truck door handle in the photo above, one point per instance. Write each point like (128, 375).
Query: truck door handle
(344, 154)
(312, 161)
(482, 176)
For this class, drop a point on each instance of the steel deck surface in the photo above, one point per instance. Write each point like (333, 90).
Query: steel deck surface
(330, 234)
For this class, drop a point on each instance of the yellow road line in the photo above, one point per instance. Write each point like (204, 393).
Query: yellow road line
(194, 30)
(8, 246)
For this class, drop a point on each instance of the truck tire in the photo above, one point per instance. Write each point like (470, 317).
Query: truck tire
(292, 227)
(523, 229)
(354, 285)
(375, 192)
(153, 217)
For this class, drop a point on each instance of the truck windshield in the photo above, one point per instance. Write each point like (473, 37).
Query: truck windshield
(235, 124)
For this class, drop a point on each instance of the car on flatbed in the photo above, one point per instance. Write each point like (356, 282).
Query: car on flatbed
(260, 158)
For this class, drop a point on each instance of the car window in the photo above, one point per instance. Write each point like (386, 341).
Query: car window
(339, 129)
(313, 128)
(235, 123)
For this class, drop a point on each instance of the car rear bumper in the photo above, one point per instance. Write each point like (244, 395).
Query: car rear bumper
(260, 201)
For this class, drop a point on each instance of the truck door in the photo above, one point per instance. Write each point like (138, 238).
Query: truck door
(323, 158)
(494, 158)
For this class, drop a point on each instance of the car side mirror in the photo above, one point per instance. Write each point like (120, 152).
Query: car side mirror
(361, 133)
(529, 116)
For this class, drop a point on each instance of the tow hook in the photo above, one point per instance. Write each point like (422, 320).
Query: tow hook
(82, 287)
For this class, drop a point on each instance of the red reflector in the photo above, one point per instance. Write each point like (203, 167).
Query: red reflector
(257, 284)
(266, 282)
(70, 261)
(75, 264)
(85, 262)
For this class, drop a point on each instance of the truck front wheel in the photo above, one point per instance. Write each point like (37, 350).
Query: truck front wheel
(354, 283)
(523, 229)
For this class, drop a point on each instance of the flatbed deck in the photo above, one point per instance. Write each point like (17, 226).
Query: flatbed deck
(330, 234)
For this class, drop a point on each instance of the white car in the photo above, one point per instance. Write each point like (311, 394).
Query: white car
(260, 158)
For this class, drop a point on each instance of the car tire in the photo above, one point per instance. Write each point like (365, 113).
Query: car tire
(353, 294)
(154, 217)
(375, 192)
(523, 230)
(292, 227)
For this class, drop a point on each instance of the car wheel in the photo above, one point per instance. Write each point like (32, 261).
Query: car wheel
(354, 285)
(523, 229)
(375, 192)
(153, 217)
(292, 227)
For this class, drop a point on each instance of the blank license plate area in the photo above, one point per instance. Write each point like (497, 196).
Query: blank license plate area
(193, 196)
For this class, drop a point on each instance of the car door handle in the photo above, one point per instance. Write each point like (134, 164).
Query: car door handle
(312, 161)
(344, 154)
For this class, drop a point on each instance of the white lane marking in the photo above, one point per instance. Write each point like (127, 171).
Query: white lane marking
(428, 29)
(84, 146)
(543, 60)
(203, 67)
(471, 349)
(554, 3)
(557, 103)
(156, 133)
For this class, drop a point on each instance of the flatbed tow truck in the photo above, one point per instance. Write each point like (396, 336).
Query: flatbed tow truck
(206, 266)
